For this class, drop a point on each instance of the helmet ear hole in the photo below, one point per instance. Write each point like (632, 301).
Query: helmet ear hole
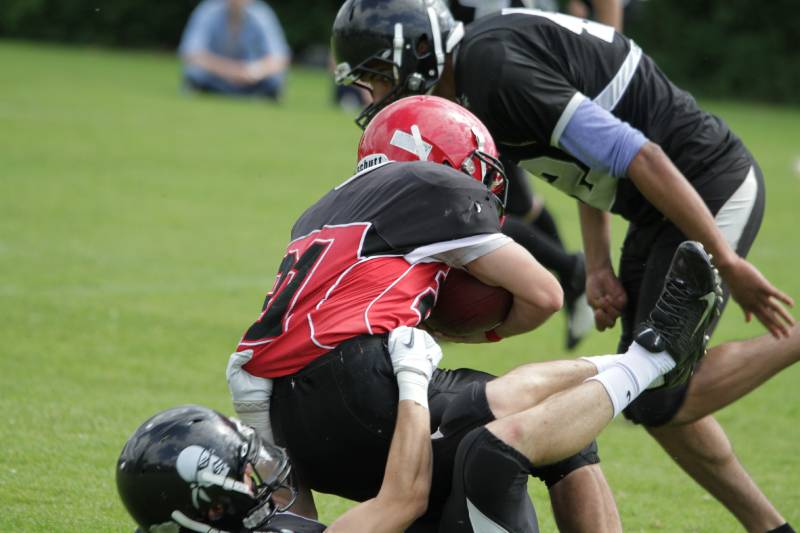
(423, 46)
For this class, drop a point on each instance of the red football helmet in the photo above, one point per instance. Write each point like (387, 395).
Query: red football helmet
(429, 128)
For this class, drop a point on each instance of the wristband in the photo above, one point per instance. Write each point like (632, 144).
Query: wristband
(492, 336)
(413, 386)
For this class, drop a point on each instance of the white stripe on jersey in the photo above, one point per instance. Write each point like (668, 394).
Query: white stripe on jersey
(425, 254)
(313, 336)
(732, 218)
(610, 96)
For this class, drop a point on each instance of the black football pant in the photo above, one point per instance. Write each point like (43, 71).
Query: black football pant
(646, 256)
(336, 418)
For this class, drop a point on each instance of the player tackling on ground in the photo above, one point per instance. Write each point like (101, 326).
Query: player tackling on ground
(192, 469)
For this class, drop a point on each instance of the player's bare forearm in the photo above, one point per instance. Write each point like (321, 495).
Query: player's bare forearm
(670, 192)
(596, 234)
(403, 496)
(537, 293)
(604, 292)
(667, 189)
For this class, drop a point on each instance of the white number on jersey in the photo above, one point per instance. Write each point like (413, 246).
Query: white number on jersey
(573, 24)
(593, 187)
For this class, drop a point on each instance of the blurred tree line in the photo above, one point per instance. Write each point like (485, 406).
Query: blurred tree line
(733, 48)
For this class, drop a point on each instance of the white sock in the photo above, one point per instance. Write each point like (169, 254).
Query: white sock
(602, 362)
(632, 373)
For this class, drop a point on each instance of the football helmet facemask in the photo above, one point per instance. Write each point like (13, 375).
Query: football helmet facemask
(401, 41)
(429, 128)
(190, 468)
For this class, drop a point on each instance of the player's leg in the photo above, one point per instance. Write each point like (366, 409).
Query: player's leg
(705, 451)
(566, 421)
(733, 369)
(489, 488)
(487, 468)
(579, 492)
(466, 408)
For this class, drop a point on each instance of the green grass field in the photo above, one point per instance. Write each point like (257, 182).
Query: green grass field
(140, 229)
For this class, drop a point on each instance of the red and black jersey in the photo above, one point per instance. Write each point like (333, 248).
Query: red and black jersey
(361, 261)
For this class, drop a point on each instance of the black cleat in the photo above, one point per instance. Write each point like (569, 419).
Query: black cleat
(680, 319)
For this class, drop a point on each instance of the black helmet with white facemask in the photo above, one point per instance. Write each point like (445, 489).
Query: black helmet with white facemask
(191, 468)
(401, 41)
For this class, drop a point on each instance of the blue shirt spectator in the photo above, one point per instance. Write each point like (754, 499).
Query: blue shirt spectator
(234, 47)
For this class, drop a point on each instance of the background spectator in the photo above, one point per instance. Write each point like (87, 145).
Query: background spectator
(234, 47)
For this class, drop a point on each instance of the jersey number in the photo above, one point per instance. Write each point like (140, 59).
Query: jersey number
(573, 24)
(291, 274)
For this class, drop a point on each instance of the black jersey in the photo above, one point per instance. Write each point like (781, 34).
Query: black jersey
(361, 261)
(523, 73)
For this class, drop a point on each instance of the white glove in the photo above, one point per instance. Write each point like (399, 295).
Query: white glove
(250, 394)
(415, 355)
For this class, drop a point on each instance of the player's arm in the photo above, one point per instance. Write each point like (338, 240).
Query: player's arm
(604, 292)
(403, 496)
(670, 192)
(404, 493)
(602, 141)
(537, 293)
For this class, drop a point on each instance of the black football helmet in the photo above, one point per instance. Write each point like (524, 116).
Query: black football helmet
(190, 468)
(402, 41)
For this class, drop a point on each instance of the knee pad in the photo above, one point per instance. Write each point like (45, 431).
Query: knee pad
(552, 474)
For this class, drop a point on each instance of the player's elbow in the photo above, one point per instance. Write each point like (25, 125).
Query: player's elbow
(418, 503)
(416, 497)
(404, 507)
(549, 298)
(649, 155)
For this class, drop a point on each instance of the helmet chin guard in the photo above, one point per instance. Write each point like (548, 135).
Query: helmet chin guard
(429, 128)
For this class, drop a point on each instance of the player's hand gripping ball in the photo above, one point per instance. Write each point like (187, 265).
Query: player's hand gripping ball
(467, 306)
